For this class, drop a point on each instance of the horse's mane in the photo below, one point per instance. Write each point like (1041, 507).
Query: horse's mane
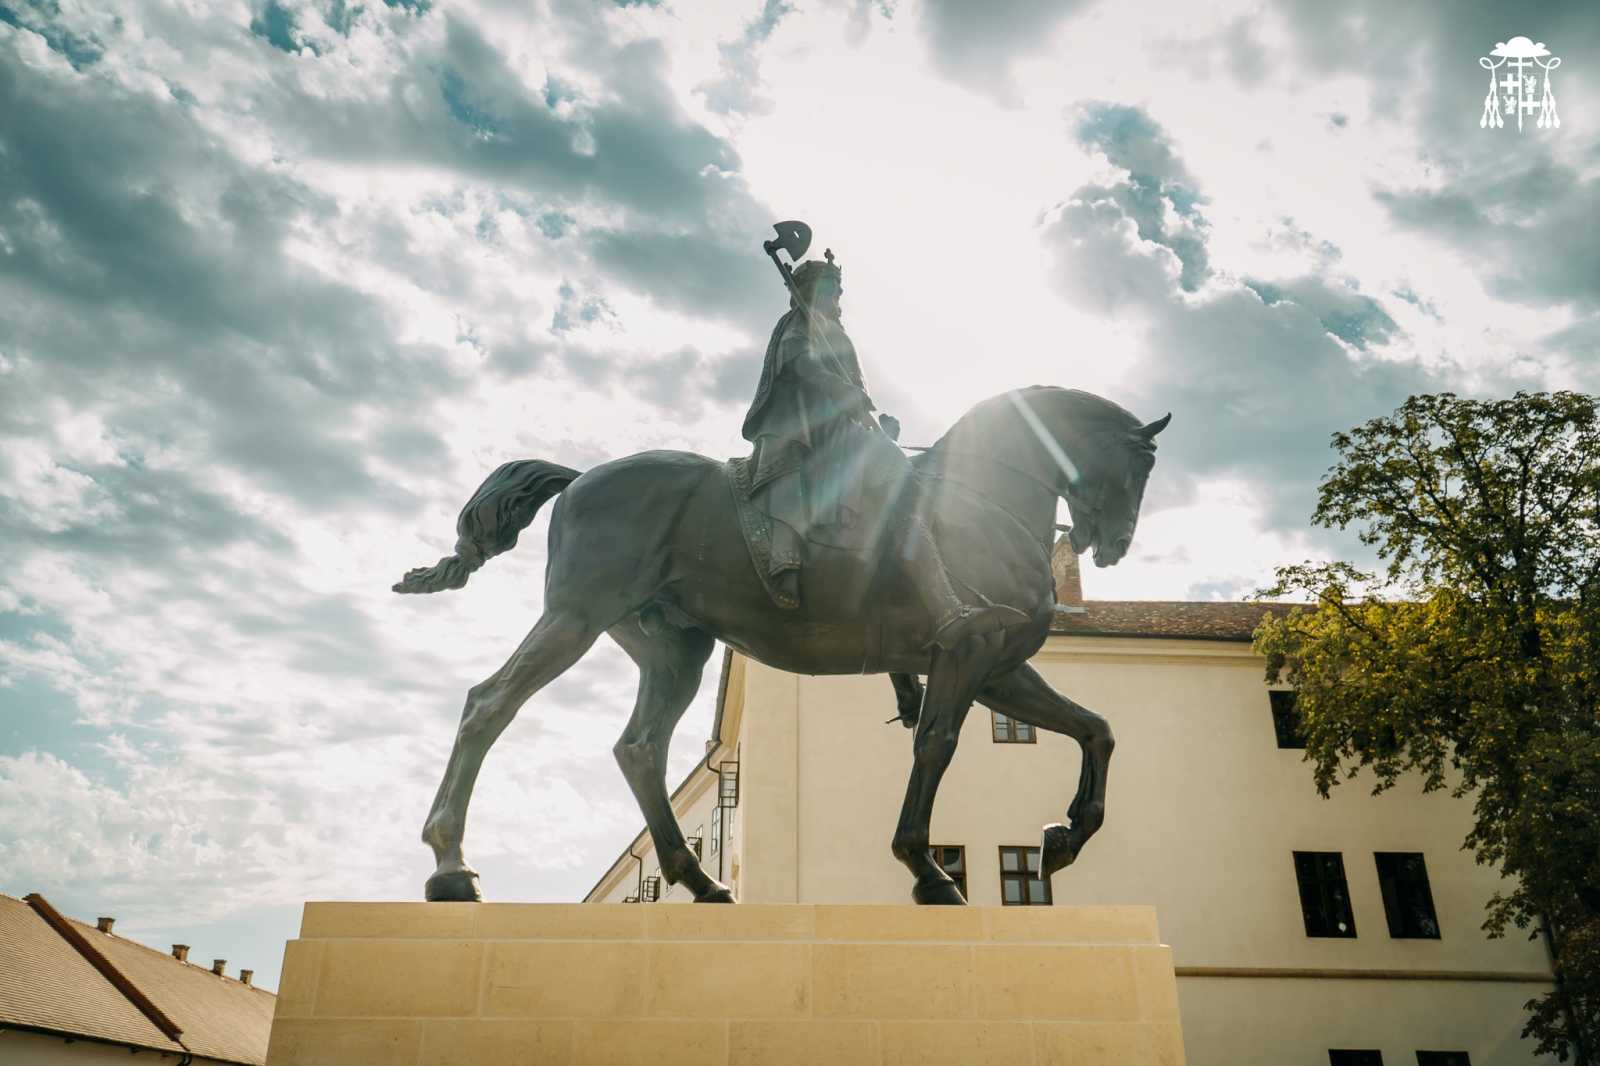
(998, 414)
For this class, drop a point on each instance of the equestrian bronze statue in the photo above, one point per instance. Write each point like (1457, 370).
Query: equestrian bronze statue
(825, 551)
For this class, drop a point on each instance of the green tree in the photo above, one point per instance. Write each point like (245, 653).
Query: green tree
(1471, 657)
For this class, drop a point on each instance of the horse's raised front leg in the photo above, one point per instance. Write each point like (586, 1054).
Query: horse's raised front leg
(953, 679)
(554, 644)
(1024, 695)
(670, 664)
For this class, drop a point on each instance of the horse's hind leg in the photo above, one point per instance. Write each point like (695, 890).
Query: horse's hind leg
(670, 662)
(555, 643)
(1026, 696)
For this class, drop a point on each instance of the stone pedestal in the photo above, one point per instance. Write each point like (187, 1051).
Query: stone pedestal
(431, 984)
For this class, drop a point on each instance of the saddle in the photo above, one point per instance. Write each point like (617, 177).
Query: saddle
(775, 546)
(782, 529)
(821, 505)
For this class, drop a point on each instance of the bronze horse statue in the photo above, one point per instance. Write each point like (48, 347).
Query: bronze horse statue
(648, 550)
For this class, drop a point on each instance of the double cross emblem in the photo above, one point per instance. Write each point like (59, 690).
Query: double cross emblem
(1519, 57)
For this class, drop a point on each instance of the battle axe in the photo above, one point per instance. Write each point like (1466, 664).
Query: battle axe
(794, 238)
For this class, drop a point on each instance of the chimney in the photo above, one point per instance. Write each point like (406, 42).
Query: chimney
(217, 966)
(245, 976)
(180, 952)
(1069, 585)
(105, 924)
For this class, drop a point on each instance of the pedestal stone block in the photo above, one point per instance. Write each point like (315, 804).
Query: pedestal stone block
(498, 984)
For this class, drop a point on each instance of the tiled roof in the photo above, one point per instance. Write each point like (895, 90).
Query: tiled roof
(1179, 619)
(45, 983)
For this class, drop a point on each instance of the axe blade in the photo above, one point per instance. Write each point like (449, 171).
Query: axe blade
(793, 237)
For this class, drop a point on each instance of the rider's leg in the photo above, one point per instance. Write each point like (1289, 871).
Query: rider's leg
(954, 618)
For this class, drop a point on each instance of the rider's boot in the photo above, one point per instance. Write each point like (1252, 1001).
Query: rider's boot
(956, 619)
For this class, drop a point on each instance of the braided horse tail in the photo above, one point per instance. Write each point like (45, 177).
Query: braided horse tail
(502, 508)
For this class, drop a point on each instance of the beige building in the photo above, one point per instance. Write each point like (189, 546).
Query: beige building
(73, 994)
(1306, 932)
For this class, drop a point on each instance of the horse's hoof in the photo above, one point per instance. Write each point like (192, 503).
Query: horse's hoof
(1058, 849)
(719, 894)
(940, 893)
(456, 886)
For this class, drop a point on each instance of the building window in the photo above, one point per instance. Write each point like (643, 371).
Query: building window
(1324, 896)
(1009, 730)
(716, 830)
(1019, 878)
(697, 843)
(1286, 719)
(1406, 898)
(1347, 1057)
(952, 859)
(728, 784)
(1443, 1058)
(650, 890)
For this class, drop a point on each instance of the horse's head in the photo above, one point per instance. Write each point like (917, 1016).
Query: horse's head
(1104, 497)
(1081, 446)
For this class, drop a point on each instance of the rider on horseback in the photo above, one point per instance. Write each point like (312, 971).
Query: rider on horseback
(822, 462)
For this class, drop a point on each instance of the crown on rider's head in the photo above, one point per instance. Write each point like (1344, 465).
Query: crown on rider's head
(812, 269)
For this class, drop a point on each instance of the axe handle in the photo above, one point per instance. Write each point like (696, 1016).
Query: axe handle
(788, 275)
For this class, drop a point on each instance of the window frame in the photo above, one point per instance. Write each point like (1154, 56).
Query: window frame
(1355, 1057)
(1026, 874)
(1395, 909)
(1288, 727)
(958, 875)
(728, 784)
(1004, 729)
(1321, 887)
(1443, 1058)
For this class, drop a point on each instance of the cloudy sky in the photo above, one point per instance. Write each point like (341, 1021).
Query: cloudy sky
(281, 281)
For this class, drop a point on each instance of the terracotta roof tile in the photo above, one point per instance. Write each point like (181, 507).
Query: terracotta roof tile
(46, 984)
(1176, 619)
(220, 1017)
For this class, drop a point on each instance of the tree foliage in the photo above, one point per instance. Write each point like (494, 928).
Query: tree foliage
(1472, 657)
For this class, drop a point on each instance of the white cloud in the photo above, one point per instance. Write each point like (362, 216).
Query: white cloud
(267, 319)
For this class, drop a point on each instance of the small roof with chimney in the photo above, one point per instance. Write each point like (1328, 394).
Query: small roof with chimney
(70, 979)
(1169, 619)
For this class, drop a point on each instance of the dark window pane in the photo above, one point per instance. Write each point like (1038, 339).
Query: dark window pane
(1019, 880)
(952, 859)
(1286, 719)
(1407, 900)
(1443, 1058)
(1324, 894)
(1009, 730)
(1346, 1057)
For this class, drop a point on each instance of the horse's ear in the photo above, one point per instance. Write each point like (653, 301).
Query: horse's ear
(1148, 432)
